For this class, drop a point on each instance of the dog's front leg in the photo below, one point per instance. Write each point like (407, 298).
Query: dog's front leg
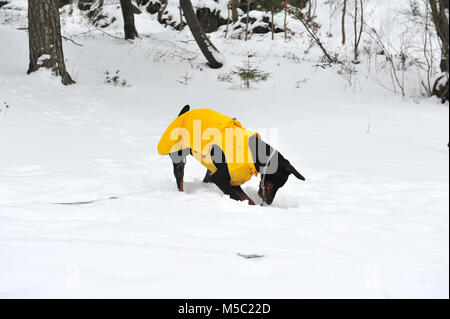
(243, 195)
(222, 177)
(235, 192)
(208, 177)
(179, 161)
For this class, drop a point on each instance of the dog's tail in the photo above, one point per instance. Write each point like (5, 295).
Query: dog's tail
(185, 109)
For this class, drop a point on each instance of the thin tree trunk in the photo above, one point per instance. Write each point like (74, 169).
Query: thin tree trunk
(45, 44)
(273, 14)
(161, 10)
(248, 18)
(310, 8)
(316, 38)
(181, 18)
(441, 23)
(128, 19)
(100, 3)
(286, 3)
(234, 12)
(205, 44)
(344, 10)
(228, 19)
(355, 31)
(355, 23)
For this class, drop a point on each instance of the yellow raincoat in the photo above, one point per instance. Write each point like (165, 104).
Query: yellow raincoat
(199, 130)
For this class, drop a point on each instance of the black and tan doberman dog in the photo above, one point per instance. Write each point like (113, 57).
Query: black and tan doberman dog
(222, 167)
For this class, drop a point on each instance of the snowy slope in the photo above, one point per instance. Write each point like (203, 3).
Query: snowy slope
(372, 219)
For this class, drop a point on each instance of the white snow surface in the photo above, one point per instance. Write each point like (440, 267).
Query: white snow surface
(371, 220)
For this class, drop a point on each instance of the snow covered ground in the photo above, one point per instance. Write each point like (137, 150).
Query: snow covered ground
(371, 221)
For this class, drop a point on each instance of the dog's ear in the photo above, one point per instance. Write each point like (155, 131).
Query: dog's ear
(291, 169)
(185, 109)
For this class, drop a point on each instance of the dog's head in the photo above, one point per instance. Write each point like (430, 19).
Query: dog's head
(271, 182)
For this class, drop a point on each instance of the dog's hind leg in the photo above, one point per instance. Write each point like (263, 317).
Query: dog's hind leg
(179, 161)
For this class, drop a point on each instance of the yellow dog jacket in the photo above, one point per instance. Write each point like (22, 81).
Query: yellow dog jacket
(199, 130)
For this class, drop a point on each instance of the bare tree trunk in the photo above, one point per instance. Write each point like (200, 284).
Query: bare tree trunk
(344, 10)
(100, 3)
(285, 5)
(234, 12)
(355, 24)
(128, 19)
(441, 23)
(315, 36)
(273, 14)
(181, 18)
(311, 8)
(161, 10)
(355, 31)
(205, 44)
(44, 29)
(248, 18)
(385, 47)
(228, 19)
